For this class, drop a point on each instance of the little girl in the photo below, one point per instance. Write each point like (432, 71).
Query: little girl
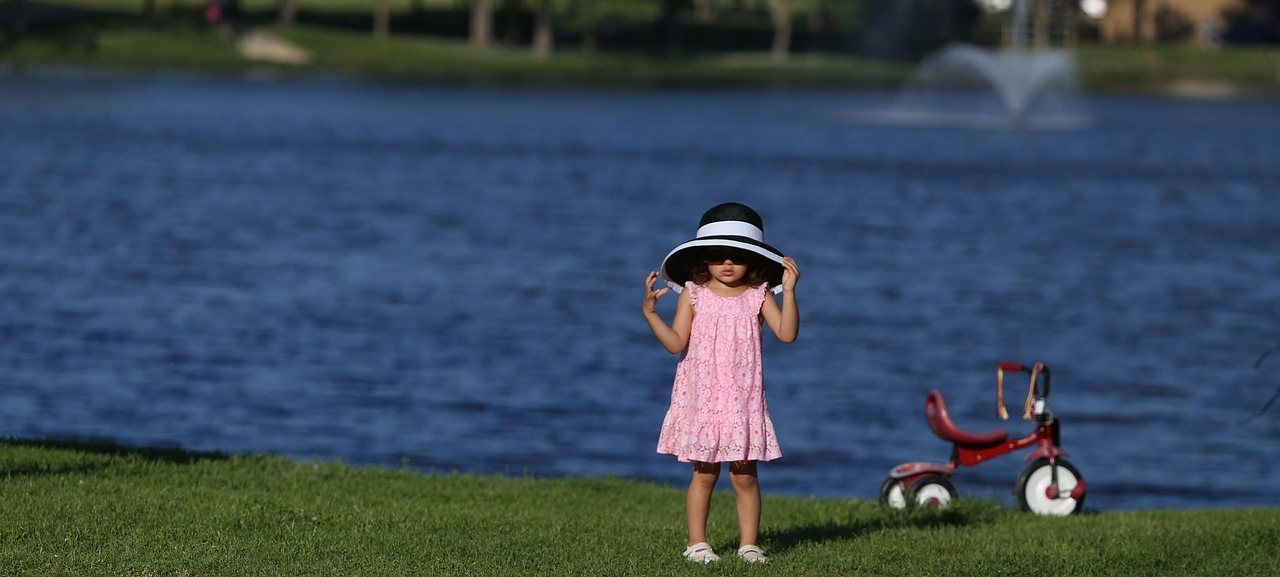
(718, 411)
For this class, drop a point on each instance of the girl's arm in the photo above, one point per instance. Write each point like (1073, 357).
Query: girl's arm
(784, 322)
(673, 337)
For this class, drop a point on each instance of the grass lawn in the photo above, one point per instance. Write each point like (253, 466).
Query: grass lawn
(93, 509)
(1245, 69)
(190, 45)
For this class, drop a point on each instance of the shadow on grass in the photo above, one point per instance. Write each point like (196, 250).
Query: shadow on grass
(884, 519)
(54, 466)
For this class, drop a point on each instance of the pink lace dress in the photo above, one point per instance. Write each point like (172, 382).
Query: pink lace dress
(718, 411)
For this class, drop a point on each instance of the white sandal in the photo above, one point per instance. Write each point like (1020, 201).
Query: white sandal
(752, 554)
(700, 553)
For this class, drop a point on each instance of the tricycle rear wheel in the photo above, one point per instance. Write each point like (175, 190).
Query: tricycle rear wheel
(934, 491)
(893, 494)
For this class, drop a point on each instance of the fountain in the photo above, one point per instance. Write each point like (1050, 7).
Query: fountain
(971, 86)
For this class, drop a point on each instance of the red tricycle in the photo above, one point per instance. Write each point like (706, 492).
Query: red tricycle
(1048, 486)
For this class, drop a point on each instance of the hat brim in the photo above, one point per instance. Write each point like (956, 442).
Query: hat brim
(675, 266)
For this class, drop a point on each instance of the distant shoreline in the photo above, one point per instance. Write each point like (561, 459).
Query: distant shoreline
(187, 44)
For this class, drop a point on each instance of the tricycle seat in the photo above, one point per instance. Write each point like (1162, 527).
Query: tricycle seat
(935, 411)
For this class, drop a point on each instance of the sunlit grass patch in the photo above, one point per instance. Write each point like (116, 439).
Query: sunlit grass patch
(101, 509)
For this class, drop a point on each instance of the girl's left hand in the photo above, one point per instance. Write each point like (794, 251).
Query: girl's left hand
(790, 273)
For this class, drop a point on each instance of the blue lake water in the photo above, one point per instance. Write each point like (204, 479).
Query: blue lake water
(450, 278)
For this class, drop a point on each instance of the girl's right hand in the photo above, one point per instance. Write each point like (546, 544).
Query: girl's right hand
(790, 273)
(651, 296)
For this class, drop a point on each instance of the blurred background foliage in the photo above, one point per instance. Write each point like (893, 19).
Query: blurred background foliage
(1144, 39)
(901, 29)
(894, 29)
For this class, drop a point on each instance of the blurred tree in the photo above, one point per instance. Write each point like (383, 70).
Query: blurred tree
(662, 24)
(288, 12)
(912, 28)
(847, 14)
(585, 16)
(381, 19)
(17, 17)
(669, 25)
(543, 34)
(1140, 29)
(831, 20)
(481, 23)
(1257, 22)
(1203, 22)
(704, 10)
(592, 19)
(781, 29)
(510, 14)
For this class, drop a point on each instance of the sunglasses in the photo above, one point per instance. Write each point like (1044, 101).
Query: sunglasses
(721, 255)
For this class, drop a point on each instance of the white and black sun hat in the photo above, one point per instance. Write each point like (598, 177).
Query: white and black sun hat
(730, 225)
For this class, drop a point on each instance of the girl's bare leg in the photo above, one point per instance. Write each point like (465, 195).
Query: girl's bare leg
(698, 500)
(746, 485)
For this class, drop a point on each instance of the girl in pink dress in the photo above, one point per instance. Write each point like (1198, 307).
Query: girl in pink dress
(726, 278)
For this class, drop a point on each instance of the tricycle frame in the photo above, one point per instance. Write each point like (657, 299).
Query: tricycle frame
(1048, 486)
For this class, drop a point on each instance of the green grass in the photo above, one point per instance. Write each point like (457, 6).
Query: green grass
(190, 45)
(421, 57)
(126, 44)
(1244, 69)
(86, 509)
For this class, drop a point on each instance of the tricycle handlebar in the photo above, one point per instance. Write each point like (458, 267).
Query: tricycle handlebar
(1036, 370)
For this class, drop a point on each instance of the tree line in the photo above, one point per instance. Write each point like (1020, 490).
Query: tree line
(878, 28)
(905, 28)
(544, 24)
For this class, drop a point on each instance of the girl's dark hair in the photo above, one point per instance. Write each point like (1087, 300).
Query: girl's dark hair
(700, 274)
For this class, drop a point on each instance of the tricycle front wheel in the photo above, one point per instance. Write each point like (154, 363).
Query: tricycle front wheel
(1033, 489)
